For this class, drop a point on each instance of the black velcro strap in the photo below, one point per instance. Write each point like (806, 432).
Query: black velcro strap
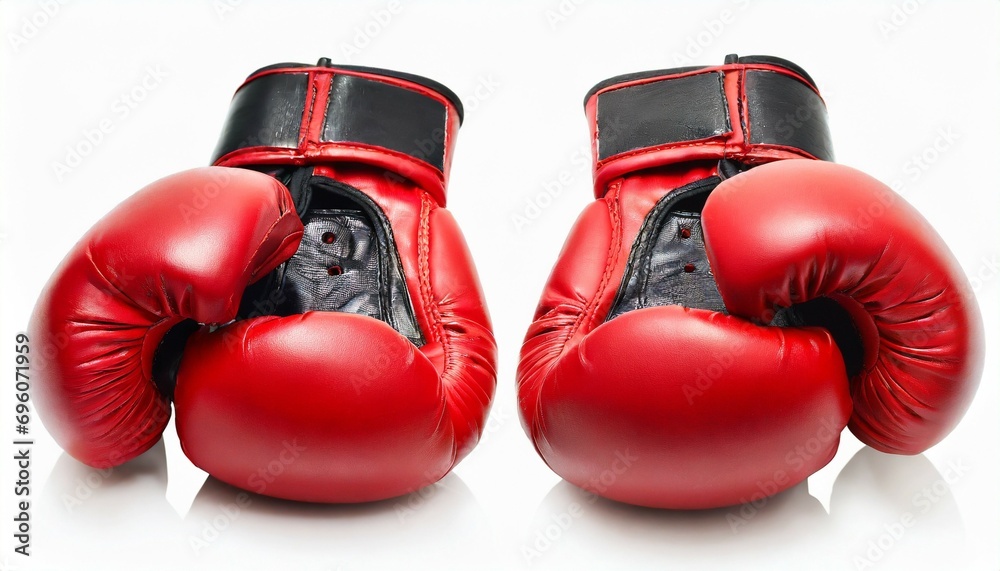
(653, 114)
(270, 111)
(266, 112)
(375, 113)
(784, 111)
(781, 111)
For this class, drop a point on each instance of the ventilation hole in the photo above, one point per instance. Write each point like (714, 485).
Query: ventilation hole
(335, 270)
(685, 232)
(329, 237)
(689, 268)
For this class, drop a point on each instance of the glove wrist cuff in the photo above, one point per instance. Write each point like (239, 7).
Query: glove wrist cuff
(753, 109)
(302, 114)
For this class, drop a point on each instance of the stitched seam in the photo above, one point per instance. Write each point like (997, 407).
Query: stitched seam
(423, 261)
(304, 128)
(663, 147)
(326, 108)
(301, 153)
(613, 250)
(444, 155)
(261, 243)
(434, 314)
(741, 98)
(724, 144)
(382, 151)
(612, 259)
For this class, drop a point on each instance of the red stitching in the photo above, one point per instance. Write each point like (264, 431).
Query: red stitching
(614, 248)
(307, 116)
(301, 153)
(746, 149)
(664, 147)
(741, 102)
(431, 314)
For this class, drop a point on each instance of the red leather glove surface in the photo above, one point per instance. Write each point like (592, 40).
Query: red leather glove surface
(318, 324)
(723, 310)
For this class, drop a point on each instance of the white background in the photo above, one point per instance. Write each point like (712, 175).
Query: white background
(901, 80)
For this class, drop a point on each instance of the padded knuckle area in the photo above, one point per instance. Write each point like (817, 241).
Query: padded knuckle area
(710, 393)
(363, 405)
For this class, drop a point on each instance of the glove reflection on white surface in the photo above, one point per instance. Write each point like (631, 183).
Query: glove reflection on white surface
(573, 527)
(93, 517)
(886, 512)
(898, 511)
(395, 533)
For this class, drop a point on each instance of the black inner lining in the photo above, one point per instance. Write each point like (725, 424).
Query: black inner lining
(668, 265)
(347, 260)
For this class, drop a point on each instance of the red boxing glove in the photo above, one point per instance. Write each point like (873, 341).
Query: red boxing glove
(318, 325)
(712, 325)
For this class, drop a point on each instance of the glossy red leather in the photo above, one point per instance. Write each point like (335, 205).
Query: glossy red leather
(163, 255)
(793, 231)
(675, 407)
(327, 407)
(370, 415)
(704, 408)
(300, 407)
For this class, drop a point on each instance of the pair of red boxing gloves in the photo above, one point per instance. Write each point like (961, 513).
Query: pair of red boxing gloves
(725, 307)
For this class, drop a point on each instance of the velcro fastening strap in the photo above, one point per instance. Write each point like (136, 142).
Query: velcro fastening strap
(297, 114)
(649, 115)
(753, 109)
